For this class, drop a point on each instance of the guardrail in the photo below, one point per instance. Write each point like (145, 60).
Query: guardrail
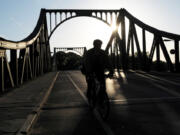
(121, 48)
(28, 58)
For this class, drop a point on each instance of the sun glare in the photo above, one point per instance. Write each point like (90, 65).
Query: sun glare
(113, 27)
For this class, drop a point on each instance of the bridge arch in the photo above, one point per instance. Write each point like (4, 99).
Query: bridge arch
(78, 50)
(73, 51)
(106, 16)
(34, 51)
(72, 18)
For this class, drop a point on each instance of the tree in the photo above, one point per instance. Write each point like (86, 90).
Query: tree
(68, 61)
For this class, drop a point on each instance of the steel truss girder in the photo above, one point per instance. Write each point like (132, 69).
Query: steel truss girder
(133, 41)
(104, 15)
(31, 56)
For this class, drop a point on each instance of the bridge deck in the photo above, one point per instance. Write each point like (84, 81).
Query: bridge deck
(16, 105)
(140, 104)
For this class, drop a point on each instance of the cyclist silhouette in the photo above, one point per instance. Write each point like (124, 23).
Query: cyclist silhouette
(96, 61)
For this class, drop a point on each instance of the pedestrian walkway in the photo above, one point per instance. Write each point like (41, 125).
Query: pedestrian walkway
(16, 105)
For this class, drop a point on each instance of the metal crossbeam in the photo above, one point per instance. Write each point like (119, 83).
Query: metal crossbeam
(31, 56)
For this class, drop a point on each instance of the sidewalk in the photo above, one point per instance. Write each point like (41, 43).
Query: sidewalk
(16, 105)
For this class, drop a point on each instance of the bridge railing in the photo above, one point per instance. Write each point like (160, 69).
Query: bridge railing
(27, 59)
(126, 39)
(31, 56)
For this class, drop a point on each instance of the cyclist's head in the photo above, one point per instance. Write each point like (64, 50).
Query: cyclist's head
(97, 43)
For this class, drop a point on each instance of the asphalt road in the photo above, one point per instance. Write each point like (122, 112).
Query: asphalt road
(141, 104)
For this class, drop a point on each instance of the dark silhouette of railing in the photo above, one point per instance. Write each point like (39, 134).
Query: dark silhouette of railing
(119, 45)
(121, 49)
(67, 14)
(31, 56)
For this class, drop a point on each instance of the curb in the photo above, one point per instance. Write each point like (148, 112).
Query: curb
(31, 118)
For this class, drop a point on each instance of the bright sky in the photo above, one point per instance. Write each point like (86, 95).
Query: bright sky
(19, 17)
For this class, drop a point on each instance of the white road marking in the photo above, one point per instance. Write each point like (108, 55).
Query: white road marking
(174, 93)
(155, 77)
(144, 100)
(78, 89)
(106, 128)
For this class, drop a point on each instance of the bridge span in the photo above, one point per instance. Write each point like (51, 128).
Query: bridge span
(34, 100)
(56, 103)
(127, 47)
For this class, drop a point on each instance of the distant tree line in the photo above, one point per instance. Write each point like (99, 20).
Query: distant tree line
(68, 61)
(72, 61)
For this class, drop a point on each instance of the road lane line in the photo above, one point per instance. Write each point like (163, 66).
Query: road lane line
(174, 93)
(159, 78)
(106, 128)
(144, 100)
(154, 82)
(153, 77)
(78, 89)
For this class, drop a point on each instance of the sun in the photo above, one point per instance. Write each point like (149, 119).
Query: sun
(114, 27)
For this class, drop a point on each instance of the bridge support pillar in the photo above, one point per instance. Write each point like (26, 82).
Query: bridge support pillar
(54, 61)
(123, 43)
(2, 73)
(144, 51)
(14, 66)
(177, 64)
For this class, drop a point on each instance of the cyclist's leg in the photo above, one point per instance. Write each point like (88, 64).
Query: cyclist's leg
(102, 91)
(91, 93)
(90, 86)
(103, 101)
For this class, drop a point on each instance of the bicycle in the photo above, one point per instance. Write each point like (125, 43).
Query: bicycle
(98, 98)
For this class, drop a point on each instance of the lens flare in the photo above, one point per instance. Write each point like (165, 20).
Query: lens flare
(113, 27)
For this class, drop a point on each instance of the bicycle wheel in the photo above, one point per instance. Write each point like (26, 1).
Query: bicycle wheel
(104, 107)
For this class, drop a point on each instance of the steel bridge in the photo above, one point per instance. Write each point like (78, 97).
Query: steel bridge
(31, 56)
(79, 50)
